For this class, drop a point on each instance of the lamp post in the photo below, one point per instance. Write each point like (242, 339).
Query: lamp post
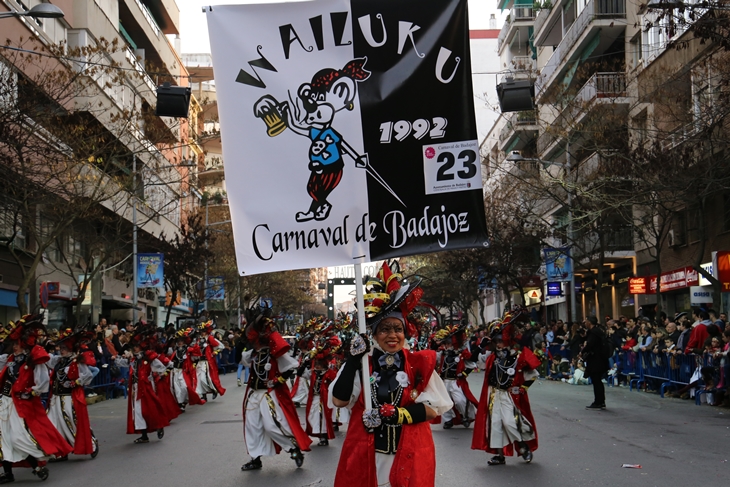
(134, 225)
(517, 157)
(205, 274)
(39, 11)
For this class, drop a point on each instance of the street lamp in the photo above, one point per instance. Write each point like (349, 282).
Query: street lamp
(40, 11)
(134, 224)
(517, 157)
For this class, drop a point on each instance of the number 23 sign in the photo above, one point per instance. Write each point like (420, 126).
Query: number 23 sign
(451, 167)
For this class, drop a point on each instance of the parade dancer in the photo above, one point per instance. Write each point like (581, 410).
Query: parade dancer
(183, 377)
(163, 388)
(67, 408)
(207, 367)
(28, 436)
(318, 412)
(270, 421)
(504, 424)
(454, 365)
(390, 444)
(144, 410)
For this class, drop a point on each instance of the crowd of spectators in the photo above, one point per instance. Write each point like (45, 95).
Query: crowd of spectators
(700, 334)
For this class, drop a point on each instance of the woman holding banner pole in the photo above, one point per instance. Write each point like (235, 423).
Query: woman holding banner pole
(406, 394)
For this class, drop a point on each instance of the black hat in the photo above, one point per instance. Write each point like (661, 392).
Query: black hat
(389, 292)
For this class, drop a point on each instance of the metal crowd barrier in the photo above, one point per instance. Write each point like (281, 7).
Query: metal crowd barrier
(670, 370)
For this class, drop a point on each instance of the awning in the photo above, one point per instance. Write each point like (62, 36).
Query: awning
(110, 302)
(8, 298)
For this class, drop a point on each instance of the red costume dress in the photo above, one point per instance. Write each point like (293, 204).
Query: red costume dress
(402, 455)
(67, 408)
(144, 410)
(183, 378)
(25, 427)
(164, 391)
(207, 368)
(270, 420)
(319, 413)
(504, 418)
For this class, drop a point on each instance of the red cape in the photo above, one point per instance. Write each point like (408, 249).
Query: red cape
(480, 439)
(191, 380)
(213, 365)
(152, 409)
(31, 410)
(328, 377)
(415, 461)
(287, 407)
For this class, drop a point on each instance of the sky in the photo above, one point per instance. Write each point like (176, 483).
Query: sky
(194, 28)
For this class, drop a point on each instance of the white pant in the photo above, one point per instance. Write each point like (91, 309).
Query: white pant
(178, 386)
(205, 384)
(316, 417)
(139, 422)
(261, 431)
(383, 465)
(340, 415)
(503, 421)
(302, 391)
(16, 441)
(461, 404)
(61, 414)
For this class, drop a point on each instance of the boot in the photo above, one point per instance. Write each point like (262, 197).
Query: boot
(254, 464)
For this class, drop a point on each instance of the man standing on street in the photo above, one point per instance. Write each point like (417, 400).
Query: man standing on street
(594, 354)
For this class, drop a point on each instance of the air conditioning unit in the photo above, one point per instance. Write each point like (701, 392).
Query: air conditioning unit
(671, 239)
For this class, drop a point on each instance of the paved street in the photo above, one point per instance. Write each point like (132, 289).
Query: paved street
(676, 442)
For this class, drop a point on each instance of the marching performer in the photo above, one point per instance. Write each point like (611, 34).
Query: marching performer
(454, 365)
(390, 444)
(67, 408)
(183, 377)
(504, 423)
(319, 413)
(270, 421)
(144, 410)
(207, 367)
(28, 436)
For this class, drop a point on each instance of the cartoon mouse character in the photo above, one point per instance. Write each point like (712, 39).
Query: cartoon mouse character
(317, 102)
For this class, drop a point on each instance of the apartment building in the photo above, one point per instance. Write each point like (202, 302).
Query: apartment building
(145, 162)
(596, 67)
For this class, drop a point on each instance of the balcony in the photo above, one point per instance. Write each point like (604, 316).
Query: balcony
(616, 238)
(145, 31)
(600, 89)
(598, 18)
(519, 16)
(520, 129)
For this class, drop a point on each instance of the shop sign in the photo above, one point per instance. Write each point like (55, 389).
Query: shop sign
(700, 295)
(554, 288)
(722, 260)
(703, 281)
(637, 285)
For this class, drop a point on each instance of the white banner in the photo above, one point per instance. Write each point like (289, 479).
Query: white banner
(348, 130)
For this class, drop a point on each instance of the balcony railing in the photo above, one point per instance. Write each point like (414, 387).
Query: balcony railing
(132, 58)
(603, 85)
(540, 20)
(595, 9)
(615, 239)
(517, 120)
(523, 63)
(148, 16)
(517, 14)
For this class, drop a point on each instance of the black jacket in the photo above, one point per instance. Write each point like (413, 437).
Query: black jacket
(594, 352)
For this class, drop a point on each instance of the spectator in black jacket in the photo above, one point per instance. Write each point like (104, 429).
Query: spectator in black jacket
(595, 356)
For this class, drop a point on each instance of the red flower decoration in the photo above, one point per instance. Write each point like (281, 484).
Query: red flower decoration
(387, 410)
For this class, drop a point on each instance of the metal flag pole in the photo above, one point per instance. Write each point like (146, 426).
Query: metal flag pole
(362, 328)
